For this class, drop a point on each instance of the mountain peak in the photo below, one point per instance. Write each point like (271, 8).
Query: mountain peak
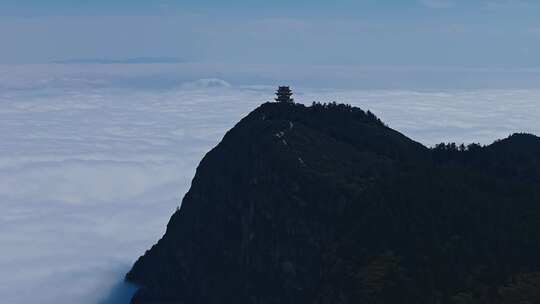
(325, 204)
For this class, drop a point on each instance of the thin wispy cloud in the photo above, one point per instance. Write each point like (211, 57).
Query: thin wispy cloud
(438, 3)
(506, 4)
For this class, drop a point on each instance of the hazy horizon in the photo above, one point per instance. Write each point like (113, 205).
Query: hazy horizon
(145, 73)
(410, 33)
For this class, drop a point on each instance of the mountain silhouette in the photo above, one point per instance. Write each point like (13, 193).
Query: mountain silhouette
(327, 204)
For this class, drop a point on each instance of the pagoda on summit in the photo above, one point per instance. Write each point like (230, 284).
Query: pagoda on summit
(284, 94)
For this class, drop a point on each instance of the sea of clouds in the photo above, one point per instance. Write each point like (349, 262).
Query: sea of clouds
(92, 165)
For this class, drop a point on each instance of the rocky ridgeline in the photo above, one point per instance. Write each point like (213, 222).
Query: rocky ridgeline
(326, 204)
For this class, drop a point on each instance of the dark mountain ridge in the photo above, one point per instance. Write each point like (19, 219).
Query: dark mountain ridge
(326, 204)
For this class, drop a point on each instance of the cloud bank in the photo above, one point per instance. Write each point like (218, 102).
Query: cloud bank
(90, 174)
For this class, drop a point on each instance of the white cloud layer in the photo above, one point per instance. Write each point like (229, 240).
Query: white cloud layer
(90, 175)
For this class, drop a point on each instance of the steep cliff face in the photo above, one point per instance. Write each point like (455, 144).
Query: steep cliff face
(325, 204)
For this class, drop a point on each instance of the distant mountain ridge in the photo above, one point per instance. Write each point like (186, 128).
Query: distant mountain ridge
(134, 60)
(326, 204)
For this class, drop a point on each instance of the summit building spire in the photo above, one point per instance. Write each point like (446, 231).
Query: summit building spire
(284, 94)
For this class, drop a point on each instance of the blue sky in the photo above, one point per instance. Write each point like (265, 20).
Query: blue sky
(455, 33)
